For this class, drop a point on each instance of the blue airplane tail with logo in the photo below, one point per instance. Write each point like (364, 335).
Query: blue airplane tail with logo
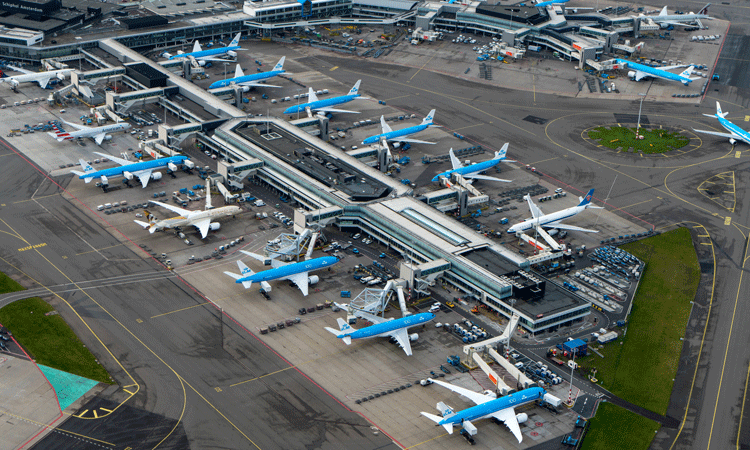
(343, 331)
(428, 120)
(236, 41)
(280, 65)
(587, 199)
(355, 89)
(500, 154)
(87, 169)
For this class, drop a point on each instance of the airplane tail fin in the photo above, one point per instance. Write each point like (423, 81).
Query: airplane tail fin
(341, 333)
(355, 89)
(663, 11)
(502, 152)
(280, 65)
(718, 111)
(587, 199)
(704, 10)
(437, 419)
(428, 120)
(238, 72)
(236, 41)
(311, 95)
(687, 72)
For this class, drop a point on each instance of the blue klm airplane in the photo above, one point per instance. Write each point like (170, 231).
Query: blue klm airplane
(297, 273)
(473, 171)
(143, 170)
(487, 405)
(252, 80)
(641, 71)
(735, 132)
(202, 56)
(324, 106)
(400, 135)
(394, 328)
(550, 2)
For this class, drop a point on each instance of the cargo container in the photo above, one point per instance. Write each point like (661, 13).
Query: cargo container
(607, 337)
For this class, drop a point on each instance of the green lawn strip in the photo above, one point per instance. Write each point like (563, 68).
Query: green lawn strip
(640, 366)
(8, 284)
(49, 340)
(616, 428)
(654, 141)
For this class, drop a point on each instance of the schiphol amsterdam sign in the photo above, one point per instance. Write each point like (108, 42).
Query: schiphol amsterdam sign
(20, 6)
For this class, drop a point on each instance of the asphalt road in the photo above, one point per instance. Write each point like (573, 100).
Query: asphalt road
(168, 367)
(658, 191)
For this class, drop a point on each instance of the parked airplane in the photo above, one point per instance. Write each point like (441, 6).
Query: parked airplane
(252, 80)
(664, 19)
(202, 56)
(473, 171)
(487, 405)
(297, 273)
(324, 106)
(735, 132)
(143, 170)
(392, 328)
(642, 71)
(550, 2)
(553, 220)
(400, 135)
(28, 76)
(200, 219)
(98, 134)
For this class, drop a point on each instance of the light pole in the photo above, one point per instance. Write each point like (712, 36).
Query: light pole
(225, 70)
(298, 95)
(572, 367)
(638, 127)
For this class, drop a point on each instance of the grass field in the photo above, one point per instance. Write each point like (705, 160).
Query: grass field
(49, 340)
(654, 141)
(640, 366)
(616, 428)
(7, 284)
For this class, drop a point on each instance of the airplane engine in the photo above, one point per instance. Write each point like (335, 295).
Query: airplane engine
(189, 164)
(201, 63)
(489, 393)
(214, 226)
(396, 144)
(60, 76)
(732, 141)
(631, 74)
(232, 53)
(172, 167)
(104, 181)
(245, 88)
(127, 175)
(156, 175)
(313, 279)
(166, 55)
(413, 337)
(521, 418)
(107, 137)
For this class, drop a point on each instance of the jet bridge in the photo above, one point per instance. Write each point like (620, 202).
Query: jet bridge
(290, 246)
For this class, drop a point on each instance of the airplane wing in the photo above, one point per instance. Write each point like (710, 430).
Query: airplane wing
(18, 69)
(44, 81)
(535, 211)
(205, 58)
(386, 128)
(371, 317)
(641, 75)
(455, 161)
(80, 127)
(275, 263)
(300, 279)
(144, 176)
(202, 226)
(256, 84)
(175, 209)
(716, 133)
(402, 337)
(412, 141)
(475, 397)
(508, 417)
(562, 226)
(486, 178)
(332, 110)
(120, 161)
(99, 138)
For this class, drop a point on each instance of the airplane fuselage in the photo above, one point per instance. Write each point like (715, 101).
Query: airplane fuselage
(246, 79)
(382, 329)
(321, 104)
(546, 219)
(486, 409)
(181, 221)
(97, 131)
(135, 167)
(207, 53)
(290, 269)
(469, 170)
(395, 134)
(655, 72)
(32, 77)
(738, 132)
